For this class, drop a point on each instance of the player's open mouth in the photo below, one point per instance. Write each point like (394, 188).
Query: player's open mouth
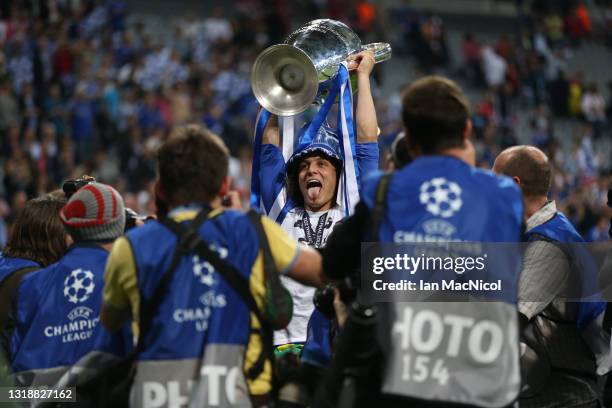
(313, 187)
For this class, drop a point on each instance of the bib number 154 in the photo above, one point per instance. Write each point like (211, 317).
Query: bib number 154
(419, 368)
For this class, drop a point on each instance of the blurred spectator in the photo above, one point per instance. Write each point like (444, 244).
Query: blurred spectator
(541, 127)
(586, 160)
(494, 67)
(471, 58)
(599, 231)
(554, 29)
(56, 109)
(366, 17)
(149, 115)
(575, 95)
(217, 27)
(559, 95)
(578, 23)
(594, 109)
(9, 109)
(430, 43)
(82, 123)
(609, 104)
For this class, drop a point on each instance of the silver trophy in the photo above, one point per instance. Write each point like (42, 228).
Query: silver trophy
(285, 77)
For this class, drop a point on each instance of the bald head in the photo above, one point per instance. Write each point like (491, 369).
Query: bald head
(529, 165)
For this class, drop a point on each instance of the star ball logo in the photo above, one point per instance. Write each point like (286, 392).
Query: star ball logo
(441, 197)
(79, 285)
(203, 270)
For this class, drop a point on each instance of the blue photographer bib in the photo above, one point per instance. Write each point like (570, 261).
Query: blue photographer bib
(561, 230)
(558, 228)
(9, 265)
(58, 339)
(452, 352)
(202, 329)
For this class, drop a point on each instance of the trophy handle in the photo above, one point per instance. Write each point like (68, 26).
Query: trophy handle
(381, 51)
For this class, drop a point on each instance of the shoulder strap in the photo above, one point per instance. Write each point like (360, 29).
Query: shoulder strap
(273, 286)
(269, 265)
(8, 293)
(380, 204)
(194, 243)
(182, 247)
(536, 236)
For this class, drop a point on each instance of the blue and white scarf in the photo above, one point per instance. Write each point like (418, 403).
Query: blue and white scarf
(348, 193)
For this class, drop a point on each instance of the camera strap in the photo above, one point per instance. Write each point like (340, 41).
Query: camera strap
(380, 205)
(182, 248)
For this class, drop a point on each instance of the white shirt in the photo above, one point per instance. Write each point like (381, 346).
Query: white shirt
(217, 29)
(321, 225)
(494, 67)
(593, 107)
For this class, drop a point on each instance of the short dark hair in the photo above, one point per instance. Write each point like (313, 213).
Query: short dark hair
(435, 111)
(531, 166)
(38, 233)
(192, 164)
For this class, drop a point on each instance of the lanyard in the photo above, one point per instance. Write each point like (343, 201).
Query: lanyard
(313, 238)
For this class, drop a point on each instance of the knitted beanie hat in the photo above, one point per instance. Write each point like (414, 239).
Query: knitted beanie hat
(94, 213)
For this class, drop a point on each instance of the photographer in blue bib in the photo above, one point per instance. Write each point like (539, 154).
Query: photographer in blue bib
(472, 205)
(561, 365)
(37, 239)
(202, 284)
(58, 341)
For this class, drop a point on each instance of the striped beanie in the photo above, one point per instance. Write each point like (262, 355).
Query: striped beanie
(94, 213)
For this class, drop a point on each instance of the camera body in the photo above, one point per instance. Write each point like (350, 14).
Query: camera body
(69, 187)
(324, 298)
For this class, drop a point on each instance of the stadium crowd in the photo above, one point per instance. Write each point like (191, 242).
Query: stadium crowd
(206, 305)
(83, 92)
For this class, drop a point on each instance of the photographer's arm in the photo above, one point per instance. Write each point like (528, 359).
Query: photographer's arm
(299, 262)
(307, 268)
(120, 297)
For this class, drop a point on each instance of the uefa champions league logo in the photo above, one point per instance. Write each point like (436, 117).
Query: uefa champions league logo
(441, 197)
(204, 271)
(79, 285)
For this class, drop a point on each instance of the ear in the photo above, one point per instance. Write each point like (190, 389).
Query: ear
(517, 180)
(225, 186)
(412, 147)
(467, 131)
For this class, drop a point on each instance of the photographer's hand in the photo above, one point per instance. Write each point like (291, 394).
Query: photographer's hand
(340, 309)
